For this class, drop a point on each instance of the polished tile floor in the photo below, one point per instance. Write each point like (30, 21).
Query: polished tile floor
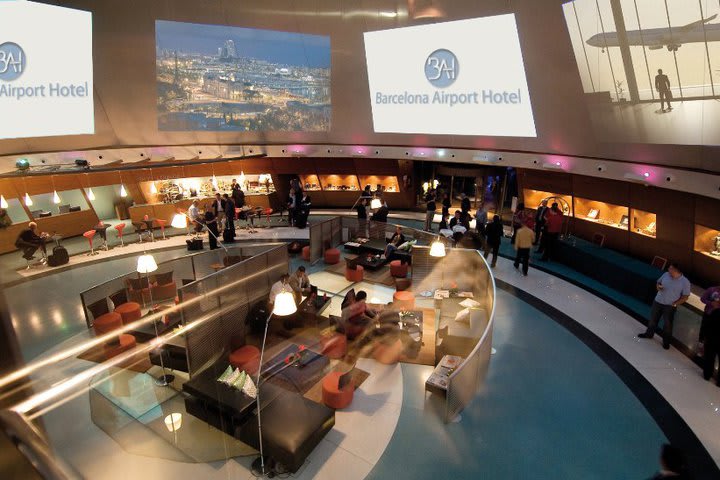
(550, 408)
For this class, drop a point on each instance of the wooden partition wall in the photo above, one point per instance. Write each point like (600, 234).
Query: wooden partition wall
(676, 217)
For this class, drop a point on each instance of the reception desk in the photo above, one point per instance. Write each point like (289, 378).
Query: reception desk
(67, 225)
(166, 211)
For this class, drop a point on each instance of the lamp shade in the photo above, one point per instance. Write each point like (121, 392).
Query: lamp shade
(153, 188)
(3, 202)
(123, 192)
(375, 203)
(284, 304)
(173, 422)
(56, 197)
(437, 249)
(179, 221)
(28, 200)
(242, 179)
(90, 194)
(146, 264)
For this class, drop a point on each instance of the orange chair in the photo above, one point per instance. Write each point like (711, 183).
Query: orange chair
(404, 300)
(90, 234)
(398, 269)
(356, 275)
(246, 358)
(107, 323)
(334, 345)
(306, 253)
(129, 312)
(119, 227)
(332, 256)
(332, 395)
(161, 224)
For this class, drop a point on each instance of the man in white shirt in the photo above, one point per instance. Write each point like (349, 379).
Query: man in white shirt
(278, 287)
(194, 215)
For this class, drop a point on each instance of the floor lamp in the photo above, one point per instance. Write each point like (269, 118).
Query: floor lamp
(283, 306)
(146, 264)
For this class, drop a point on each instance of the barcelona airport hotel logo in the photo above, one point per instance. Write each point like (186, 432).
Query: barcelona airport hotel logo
(13, 62)
(464, 77)
(441, 70)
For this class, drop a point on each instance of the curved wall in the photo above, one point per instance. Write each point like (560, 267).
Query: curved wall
(125, 87)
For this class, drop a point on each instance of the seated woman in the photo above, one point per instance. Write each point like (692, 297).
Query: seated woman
(397, 239)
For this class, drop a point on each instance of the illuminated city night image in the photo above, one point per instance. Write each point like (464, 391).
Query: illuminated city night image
(221, 78)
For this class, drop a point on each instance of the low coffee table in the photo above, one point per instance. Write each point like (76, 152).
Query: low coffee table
(370, 261)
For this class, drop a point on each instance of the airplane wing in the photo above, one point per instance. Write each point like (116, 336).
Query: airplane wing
(693, 25)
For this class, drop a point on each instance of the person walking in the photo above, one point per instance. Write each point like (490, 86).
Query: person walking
(673, 290)
(711, 299)
(494, 232)
(524, 241)
(712, 344)
(662, 85)
(518, 219)
(553, 227)
(429, 210)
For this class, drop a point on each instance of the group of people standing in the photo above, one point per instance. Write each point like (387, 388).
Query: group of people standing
(219, 216)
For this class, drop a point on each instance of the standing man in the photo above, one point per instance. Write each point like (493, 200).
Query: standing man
(237, 194)
(494, 232)
(229, 214)
(540, 220)
(711, 299)
(429, 210)
(524, 240)
(218, 208)
(553, 227)
(662, 85)
(481, 218)
(673, 290)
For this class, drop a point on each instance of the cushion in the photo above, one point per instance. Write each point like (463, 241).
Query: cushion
(119, 297)
(164, 278)
(246, 358)
(407, 246)
(98, 308)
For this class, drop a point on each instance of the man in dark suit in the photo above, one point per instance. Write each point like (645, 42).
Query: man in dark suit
(540, 220)
(229, 212)
(662, 85)
(29, 241)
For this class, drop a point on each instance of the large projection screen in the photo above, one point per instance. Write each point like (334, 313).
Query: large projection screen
(46, 71)
(223, 78)
(650, 69)
(465, 77)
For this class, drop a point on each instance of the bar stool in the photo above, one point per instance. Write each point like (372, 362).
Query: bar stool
(119, 227)
(161, 224)
(267, 212)
(90, 234)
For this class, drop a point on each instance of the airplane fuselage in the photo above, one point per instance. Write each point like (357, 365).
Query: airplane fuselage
(658, 37)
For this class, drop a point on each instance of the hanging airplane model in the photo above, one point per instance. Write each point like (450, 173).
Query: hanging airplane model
(657, 38)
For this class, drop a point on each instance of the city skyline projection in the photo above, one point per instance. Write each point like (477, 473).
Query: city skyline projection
(220, 78)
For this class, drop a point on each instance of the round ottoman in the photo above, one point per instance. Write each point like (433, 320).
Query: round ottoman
(306, 253)
(129, 311)
(388, 353)
(356, 275)
(332, 256)
(334, 346)
(332, 395)
(107, 323)
(398, 269)
(404, 300)
(402, 284)
(116, 348)
(246, 358)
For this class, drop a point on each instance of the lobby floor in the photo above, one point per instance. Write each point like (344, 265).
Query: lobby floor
(550, 408)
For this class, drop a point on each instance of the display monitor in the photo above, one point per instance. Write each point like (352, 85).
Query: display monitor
(223, 78)
(46, 71)
(650, 70)
(465, 77)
